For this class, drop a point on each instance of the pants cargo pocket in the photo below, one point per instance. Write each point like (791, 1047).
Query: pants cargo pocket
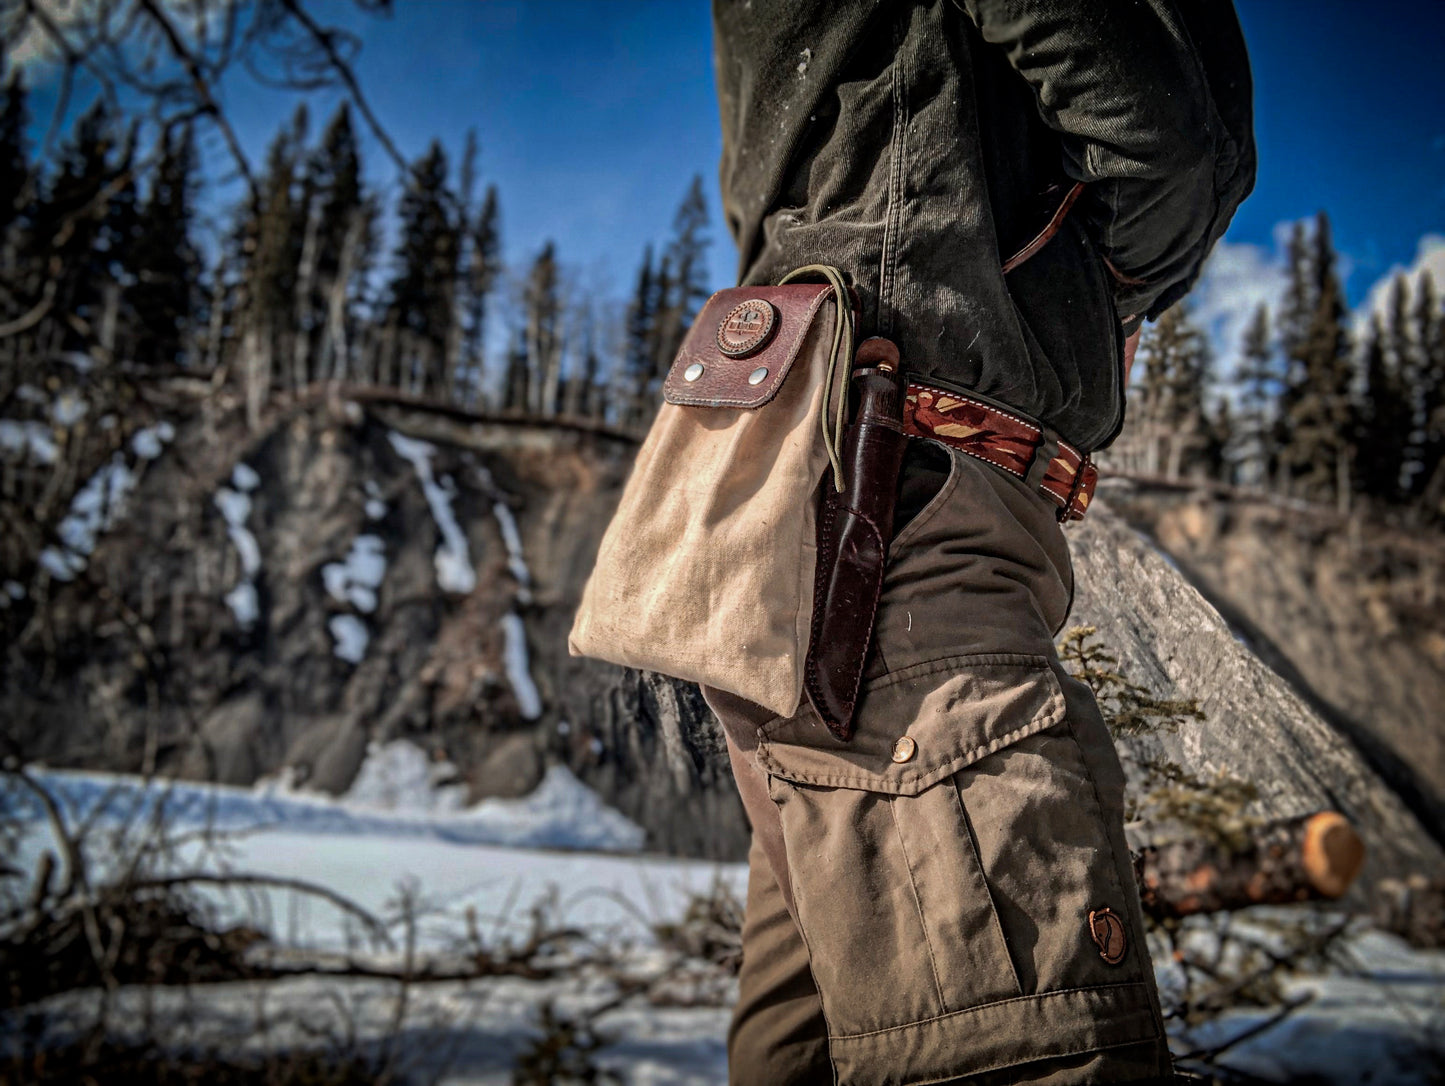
(944, 866)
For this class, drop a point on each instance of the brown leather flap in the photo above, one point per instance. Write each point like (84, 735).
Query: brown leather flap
(742, 345)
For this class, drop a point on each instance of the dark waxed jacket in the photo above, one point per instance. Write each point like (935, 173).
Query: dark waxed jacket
(918, 143)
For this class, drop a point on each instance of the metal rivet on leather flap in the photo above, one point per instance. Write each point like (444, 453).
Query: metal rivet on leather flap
(904, 749)
(693, 372)
(756, 377)
(746, 328)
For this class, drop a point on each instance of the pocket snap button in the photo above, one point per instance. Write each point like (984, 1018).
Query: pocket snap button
(693, 372)
(904, 749)
(756, 377)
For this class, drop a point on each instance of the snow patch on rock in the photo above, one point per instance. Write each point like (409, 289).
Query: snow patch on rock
(19, 438)
(244, 477)
(356, 579)
(516, 562)
(453, 563)
(351, 637)
(93, 511)
(68, 409)
(235, 507)
(518, 664)
(148, 442)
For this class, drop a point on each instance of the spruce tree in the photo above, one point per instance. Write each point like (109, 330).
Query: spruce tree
(1384, 421)
(1258, 379)
(269, 240)
(343, 224)
(544, 332)
(515, 390)
(83, 228)
(637, 358)
(686, 285)
(14, 161)
(1294, 318)
(1429, 323)
(422, 295)
(1170, 412)
(1320, 419)
(162, 296)
(482, 267)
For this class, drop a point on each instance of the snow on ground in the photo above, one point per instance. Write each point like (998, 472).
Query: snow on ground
(235, 507)
(562, 813)
(486, 866)
(459, 1034)
(402, 825)
(453, 564)
(400, 776)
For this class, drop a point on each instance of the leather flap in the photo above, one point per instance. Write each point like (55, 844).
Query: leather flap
(946, 714)
(742, 345)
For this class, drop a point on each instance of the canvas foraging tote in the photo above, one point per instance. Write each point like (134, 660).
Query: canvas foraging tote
(706, 571)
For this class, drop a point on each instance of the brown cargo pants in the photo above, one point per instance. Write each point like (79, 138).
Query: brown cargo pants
(920, 899)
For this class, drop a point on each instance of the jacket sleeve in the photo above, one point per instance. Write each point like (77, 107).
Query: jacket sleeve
(1151, 101)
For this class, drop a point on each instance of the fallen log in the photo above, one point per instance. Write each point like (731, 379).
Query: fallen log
(1315, 857)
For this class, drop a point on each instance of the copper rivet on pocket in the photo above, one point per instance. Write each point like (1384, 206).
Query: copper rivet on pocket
(756, 377)
(904, 749)
(693, 372)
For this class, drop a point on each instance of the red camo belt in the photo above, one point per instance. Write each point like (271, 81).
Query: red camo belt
(1055, 468)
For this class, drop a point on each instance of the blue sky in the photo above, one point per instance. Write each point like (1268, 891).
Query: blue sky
(593, 115)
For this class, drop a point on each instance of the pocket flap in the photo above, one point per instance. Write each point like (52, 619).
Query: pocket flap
(742, 345)
(919, 725)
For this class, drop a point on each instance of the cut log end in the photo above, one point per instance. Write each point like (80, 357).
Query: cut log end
(1333, 853)
(1297, 859)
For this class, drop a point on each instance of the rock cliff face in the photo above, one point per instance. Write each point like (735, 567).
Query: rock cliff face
(1256, 727)
(1350, 610)
(355, 574)
(371, 570)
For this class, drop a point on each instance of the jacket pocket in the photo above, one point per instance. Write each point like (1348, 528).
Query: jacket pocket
(891, 884)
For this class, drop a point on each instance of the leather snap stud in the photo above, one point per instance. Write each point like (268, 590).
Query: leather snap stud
(904, 749)
(756, 377)
(693, 372)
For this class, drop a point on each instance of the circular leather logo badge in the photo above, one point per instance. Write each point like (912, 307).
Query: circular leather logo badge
(1107, 931)
(746, 328)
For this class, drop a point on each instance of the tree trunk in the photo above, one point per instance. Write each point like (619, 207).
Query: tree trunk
(1299, 859)
(305, 291)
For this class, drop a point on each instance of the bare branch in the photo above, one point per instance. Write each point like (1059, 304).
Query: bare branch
(223, 879)
(201, 87)
(324, 39)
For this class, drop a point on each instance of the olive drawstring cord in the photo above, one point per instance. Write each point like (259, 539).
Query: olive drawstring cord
(842, 346)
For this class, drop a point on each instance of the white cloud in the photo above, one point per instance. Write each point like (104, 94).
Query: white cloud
(1429, 257)
(1236, 280)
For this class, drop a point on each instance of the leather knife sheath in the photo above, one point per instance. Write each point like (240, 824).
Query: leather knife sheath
(854, 529)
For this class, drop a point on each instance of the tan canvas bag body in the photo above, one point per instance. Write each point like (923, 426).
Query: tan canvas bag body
(706, 570)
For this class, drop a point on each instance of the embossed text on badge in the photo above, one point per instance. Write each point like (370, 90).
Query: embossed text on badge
(746, 328)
